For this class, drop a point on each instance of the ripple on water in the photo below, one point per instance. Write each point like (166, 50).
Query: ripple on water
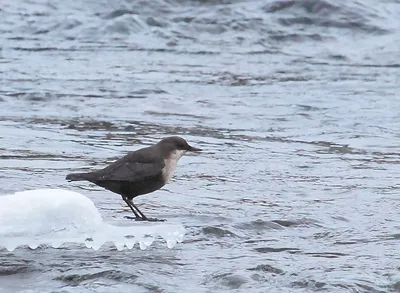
(111, 275)
(267, 269)
(226, 280)
(217, 232)
(260, 225)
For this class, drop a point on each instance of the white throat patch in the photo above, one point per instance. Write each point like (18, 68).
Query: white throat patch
(170, 164)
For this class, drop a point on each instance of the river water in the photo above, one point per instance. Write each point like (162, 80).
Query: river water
(296, 104)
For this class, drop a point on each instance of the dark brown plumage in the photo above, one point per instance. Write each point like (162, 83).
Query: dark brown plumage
(139, 172)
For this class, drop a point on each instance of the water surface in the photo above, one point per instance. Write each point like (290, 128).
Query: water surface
(296, 104)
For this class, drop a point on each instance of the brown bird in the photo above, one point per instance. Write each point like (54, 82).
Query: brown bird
(139, 172)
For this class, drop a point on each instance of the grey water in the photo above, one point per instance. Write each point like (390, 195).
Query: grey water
(296, 104)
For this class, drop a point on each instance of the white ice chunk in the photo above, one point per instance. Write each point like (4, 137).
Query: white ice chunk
(54, 217)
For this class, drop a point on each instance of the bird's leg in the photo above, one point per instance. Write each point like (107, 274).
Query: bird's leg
(143, 217)
(138, 211)
(137, 216)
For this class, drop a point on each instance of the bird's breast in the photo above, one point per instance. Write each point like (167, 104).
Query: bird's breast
(170, 165)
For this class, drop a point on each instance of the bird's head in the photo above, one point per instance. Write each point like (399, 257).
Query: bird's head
(176, 145)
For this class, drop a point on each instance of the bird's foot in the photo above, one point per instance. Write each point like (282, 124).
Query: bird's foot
(155, 220)
(145, 219)
(133, 218)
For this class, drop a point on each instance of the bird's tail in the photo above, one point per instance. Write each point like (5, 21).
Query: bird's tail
(78, 176)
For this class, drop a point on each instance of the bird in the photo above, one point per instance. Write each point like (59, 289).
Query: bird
(139, 172)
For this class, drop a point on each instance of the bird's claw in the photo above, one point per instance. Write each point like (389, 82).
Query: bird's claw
(145, 219)
(155, 220)
(131, 218)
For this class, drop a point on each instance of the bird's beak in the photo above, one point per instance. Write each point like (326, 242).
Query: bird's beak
(193, 149)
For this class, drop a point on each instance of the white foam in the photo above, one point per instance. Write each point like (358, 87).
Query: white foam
(54, 217)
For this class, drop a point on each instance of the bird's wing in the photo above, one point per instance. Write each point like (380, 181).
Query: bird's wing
(133, 167)
(131, 172)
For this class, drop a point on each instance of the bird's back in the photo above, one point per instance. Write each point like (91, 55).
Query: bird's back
(136, 173)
